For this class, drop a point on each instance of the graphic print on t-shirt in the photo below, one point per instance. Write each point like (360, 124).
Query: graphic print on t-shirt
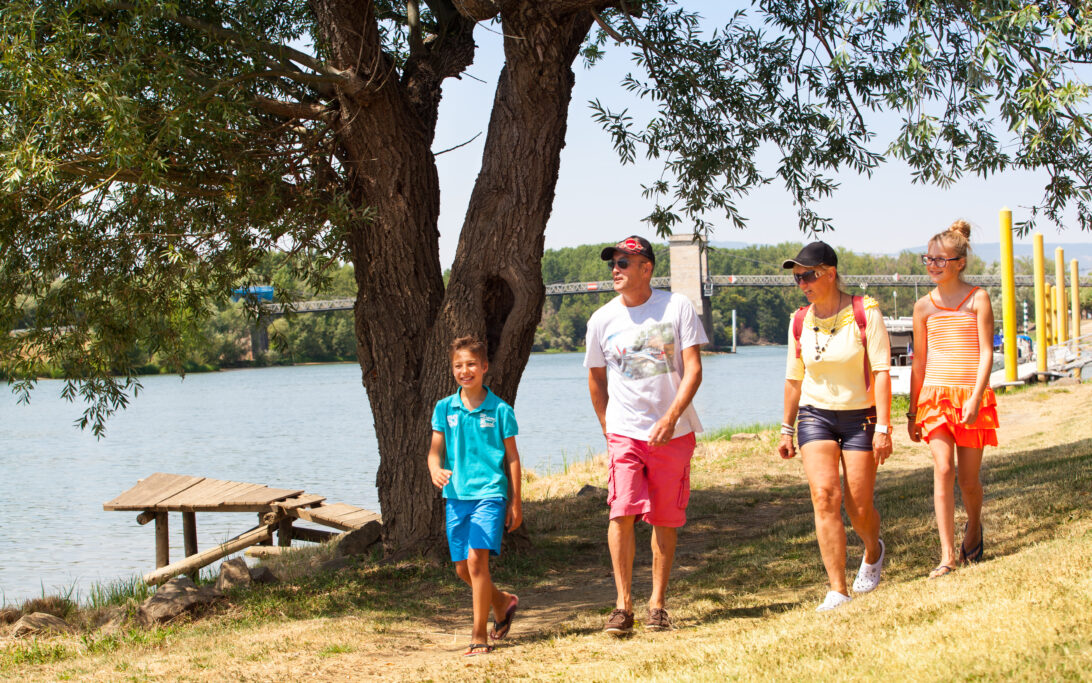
(641, 352)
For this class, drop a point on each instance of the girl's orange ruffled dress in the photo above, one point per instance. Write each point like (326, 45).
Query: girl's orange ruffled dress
(951, 368)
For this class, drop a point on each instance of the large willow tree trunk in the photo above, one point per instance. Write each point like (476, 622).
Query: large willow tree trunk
(404, 317)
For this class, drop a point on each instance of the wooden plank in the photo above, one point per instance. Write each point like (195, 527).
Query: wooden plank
(304, 500)
(334, 511)
(209, 498)
(198, 492)
(217, 495)
(239, 495)
(266, 496)
(154, 492)
(359, 519)
(147, 494)
(339, 515)
(225, 507)
(195, 562)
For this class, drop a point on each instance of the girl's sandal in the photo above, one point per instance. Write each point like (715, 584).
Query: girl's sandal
(476, 649)
(974, 556)
(941, 570)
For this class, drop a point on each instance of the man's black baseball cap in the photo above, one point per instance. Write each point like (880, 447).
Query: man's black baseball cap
(814, 254)
(633, 244)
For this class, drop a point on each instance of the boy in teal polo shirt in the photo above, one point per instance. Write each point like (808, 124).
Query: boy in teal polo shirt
(473, 458)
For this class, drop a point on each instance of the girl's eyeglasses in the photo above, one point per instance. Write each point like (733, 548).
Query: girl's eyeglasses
(938, 261)
(807, 276)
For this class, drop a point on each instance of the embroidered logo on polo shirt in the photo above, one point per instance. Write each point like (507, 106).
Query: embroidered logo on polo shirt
(452, 420)
(488, 422)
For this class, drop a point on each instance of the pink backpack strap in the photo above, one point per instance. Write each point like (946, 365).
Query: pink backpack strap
(862, 322)
(798, 325)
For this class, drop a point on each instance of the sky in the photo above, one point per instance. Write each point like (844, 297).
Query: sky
(599, 200)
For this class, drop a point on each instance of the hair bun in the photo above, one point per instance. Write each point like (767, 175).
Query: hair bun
(962, 227)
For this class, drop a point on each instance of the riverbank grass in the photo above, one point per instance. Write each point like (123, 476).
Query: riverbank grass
(746, 582)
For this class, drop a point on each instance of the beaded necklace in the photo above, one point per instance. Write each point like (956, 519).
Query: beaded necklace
(815, 328)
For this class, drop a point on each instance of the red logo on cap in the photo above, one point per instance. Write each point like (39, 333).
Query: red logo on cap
(630, 245)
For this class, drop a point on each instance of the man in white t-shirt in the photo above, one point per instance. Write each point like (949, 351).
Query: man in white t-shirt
(644, 366)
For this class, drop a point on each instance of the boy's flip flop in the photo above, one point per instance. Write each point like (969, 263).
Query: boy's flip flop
(501, 628)
(476, 649)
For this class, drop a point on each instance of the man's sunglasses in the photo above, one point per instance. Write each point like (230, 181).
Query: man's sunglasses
(621, 263)
(807, 276)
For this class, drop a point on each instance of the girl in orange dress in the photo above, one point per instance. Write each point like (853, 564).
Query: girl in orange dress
(952, 405)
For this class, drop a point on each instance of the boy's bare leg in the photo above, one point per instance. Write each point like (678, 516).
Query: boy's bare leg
(620, 539)
(663, 556)
(486, 595)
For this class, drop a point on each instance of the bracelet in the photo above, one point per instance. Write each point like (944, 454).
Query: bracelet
(911, 415)
(786, 425)
(788, 431)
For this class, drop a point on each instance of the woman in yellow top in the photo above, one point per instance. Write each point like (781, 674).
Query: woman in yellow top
(842, 397)
(951, 404)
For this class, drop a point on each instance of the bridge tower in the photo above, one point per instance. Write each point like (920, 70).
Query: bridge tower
(690, 276)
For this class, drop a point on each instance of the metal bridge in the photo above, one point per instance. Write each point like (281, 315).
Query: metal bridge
(786, 281)
(711, 282)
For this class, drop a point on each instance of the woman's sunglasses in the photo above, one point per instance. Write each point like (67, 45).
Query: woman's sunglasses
(807, 276)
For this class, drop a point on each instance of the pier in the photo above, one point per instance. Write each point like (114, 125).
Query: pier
(277, 509)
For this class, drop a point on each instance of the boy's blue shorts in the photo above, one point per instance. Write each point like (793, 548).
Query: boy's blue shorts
(477, 524)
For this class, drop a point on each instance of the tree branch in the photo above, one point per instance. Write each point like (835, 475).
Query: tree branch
(294, 110)
(477, 10)
(347, 80)
(830, 53)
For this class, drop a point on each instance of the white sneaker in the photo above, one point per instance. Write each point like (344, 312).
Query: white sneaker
(833, 600)
(868, 576)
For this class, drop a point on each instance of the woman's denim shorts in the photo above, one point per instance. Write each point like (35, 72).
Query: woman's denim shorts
(851, 429)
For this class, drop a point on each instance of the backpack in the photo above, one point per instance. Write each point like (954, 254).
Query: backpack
(858, 315)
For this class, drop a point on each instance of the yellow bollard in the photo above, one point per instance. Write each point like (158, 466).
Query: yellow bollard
(1059, 292)
(1052, 316)
(1075, 298)
(1008, 295)
(1040, 306)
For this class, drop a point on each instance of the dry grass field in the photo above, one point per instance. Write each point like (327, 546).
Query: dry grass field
(748, 577)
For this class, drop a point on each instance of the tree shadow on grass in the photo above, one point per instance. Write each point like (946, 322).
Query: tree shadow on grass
(754, 540)
(763, 543)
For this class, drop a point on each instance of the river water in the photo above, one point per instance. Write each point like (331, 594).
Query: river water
(303, 427)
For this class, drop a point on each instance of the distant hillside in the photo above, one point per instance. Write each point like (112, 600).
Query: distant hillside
(1082, 251)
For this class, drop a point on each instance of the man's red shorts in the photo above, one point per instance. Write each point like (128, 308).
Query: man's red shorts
(651, 482)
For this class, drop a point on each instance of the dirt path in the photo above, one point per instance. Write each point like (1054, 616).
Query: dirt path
(581, 598)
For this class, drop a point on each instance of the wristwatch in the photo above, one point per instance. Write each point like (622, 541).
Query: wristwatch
(883, 429)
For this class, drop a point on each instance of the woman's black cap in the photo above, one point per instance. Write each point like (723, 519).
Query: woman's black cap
(814, 254)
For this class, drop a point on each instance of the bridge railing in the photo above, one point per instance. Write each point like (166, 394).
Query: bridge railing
(785, 281)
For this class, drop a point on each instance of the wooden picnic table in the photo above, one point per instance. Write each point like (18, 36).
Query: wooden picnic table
(161, 493)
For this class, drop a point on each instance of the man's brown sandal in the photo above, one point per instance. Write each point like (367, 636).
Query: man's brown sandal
(476, 649)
